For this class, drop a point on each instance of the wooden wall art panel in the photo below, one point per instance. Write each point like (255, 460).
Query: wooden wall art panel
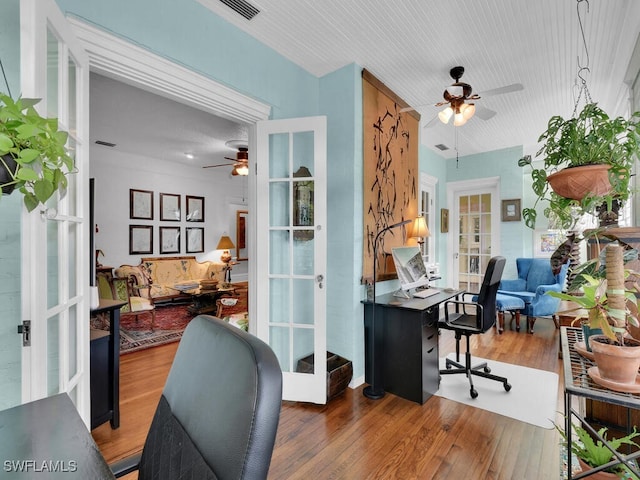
(390, 173)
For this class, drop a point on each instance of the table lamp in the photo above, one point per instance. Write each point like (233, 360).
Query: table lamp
(420, 230)
(226, 244)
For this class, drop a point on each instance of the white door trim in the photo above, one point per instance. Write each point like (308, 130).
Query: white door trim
(487, 183)
(116, 58)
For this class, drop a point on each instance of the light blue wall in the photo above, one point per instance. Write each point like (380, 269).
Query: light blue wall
(191, 35)
(341, 101)
(10, 209)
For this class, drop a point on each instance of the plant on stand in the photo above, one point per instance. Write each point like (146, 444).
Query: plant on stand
(592, 454)
(33, 154)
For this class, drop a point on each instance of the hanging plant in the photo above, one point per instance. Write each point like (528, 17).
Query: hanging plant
(38, 148)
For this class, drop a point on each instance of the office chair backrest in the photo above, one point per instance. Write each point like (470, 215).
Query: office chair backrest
(489, 290)
(218, 414)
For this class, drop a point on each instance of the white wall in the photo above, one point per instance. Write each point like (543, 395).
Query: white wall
(116, 172)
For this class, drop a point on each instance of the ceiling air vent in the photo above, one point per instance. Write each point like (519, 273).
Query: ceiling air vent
(105, 144)
(442, 147)
(242, 7)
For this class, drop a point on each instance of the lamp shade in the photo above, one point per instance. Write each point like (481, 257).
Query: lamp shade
(420, 229)
(225, 243)
(445, 115)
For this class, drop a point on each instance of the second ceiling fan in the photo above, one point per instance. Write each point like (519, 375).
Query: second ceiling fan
(241, 162)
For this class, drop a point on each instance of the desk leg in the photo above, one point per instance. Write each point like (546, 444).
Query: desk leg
(114, 367)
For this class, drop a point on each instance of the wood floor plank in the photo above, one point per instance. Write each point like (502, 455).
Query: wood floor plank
(353, 437)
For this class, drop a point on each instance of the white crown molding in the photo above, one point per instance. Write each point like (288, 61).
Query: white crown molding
(116, 58)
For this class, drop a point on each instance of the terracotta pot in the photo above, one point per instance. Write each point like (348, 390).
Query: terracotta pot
(577, 182)
(615, 363)
(5, 177)
(599, 475)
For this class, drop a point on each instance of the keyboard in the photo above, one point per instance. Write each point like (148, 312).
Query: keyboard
(426, 293)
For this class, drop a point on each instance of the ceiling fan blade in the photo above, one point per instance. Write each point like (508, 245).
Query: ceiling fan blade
(219, 165)
(484, 113)
(514, 87)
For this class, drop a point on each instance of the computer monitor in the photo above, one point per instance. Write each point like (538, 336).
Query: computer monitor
(410, 267)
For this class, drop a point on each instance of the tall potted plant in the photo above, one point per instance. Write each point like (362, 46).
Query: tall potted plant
(33, 155)
(613, 309)
(596, 151)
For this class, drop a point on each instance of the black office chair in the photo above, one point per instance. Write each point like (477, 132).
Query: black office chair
(218, 414)
(476, 317)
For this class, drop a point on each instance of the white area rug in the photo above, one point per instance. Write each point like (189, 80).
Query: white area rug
(532, 399)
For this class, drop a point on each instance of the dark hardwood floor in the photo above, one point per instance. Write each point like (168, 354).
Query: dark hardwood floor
(353, 437)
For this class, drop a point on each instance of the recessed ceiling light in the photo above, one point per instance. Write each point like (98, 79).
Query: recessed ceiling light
(189, 156)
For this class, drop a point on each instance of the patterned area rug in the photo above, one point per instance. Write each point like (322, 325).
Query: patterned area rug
(169, 325)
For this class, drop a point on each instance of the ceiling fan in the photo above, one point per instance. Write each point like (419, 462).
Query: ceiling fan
(460, 100)
(241, 162)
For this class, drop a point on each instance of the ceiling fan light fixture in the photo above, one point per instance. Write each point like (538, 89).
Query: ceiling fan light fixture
(242, 170)
(445, 115)
(469, 110)
(459, 120)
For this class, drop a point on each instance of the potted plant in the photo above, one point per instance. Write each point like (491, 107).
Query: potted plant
(593, 146)
(33, 156)
(592, 454)
(613, 309)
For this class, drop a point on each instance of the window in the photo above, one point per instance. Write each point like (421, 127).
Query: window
(427, 208)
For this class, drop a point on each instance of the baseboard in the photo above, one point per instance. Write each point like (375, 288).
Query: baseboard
(356, 382)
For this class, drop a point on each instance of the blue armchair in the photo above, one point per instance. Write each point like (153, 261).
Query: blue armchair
(535, 278)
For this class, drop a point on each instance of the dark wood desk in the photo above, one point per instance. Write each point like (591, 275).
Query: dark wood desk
(407, 348)
(105, 368)
(48, 439)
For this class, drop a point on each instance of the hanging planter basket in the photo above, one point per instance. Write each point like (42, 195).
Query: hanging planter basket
(578, 182)
(5, 175)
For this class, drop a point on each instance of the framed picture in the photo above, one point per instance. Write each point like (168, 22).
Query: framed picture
(169, 207)
(195, 240)
(169, 239)
(545, 242)
(195, 209)
(444, 220)
(241, 235)
(140, 239)
(140, 204)
(511, 210)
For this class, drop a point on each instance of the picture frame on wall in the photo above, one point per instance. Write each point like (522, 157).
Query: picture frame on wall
(170, 207)
(140, 204)
(241, 235)
(140, 239)
(169, 239)
(444, 220)
(511, 211)
(545, 242)
(195, 208)
(195, 239)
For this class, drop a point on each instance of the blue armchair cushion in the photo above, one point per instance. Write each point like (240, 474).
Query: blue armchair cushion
(535, 279)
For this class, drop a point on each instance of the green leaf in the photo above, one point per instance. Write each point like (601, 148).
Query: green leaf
(43, 189)
(27, 174)
(28, 155)
(30, 201)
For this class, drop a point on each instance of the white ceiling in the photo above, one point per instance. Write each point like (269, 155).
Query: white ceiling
(410, 45)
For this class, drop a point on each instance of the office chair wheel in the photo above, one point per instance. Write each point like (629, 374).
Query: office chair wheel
(487, 370)
(474, 393)
(507, 386)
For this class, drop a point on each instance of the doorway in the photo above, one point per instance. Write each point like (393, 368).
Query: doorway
(474, 227)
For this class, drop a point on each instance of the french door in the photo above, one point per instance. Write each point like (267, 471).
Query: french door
(55, 257)
(474, 229)
(291, 251)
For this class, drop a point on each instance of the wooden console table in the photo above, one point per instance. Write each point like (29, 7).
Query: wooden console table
(578, 383)
(105, 367)
(407, 348)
